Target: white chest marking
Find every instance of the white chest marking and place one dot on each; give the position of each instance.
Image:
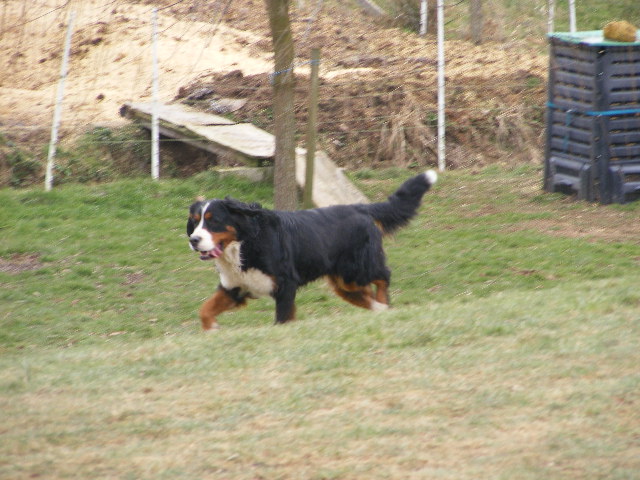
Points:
(252, 281)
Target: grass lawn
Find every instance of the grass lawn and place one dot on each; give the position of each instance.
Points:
(512, 350)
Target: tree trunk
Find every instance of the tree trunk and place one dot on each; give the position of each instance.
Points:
(286, 194)
(475, 21)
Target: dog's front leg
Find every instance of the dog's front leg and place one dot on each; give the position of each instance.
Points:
(285, 302)
(219, 302)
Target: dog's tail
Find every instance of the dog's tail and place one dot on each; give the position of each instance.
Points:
(403, 204)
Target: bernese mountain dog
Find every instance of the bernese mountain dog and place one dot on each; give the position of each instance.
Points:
(260, 252)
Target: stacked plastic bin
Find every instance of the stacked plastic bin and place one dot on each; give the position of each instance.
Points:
(593, 118)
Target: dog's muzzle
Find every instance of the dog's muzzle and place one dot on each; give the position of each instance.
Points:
(194, 240)
(194, 243)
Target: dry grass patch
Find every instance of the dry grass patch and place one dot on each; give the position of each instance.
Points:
(511, 386)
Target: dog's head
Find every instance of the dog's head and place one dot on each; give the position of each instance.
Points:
(214, 224)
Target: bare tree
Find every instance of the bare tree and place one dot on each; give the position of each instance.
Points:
(475, 21)
(285, 195)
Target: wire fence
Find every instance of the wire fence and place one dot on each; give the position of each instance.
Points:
(377, 94)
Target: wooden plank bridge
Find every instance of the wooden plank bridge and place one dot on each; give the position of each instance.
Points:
(245, 143)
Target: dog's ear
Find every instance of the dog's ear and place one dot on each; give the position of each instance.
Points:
(246, 216)
(191, 226)
(248, 209)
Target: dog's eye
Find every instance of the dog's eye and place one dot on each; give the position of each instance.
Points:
(196, 217)
(208, 215)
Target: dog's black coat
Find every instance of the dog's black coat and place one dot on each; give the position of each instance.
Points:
(341, 242)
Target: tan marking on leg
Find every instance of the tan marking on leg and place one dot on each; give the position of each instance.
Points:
(360, 296)
(382, 291)
(219, 302)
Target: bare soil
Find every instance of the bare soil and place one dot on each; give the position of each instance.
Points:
(378, 87)
(378, 92)
(18, 263)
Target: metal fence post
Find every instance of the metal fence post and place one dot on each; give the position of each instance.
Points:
(307, 200)
(48, 179)
(441, 79)
(155, 134)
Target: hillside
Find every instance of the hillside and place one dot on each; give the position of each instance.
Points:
(377, 98)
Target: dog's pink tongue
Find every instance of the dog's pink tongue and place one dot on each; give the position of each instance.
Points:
(215, 253)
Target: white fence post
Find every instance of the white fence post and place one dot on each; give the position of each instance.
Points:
(155, 133)
(551, 10)
(423, 17)
(441, 119)
(572, 16)
(48, 178)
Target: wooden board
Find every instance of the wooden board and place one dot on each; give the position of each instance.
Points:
(175, 113)
(247, 143)
(241, 137)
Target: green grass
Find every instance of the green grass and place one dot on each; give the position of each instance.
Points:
(526, 19)
(590, 14)
(511, 351)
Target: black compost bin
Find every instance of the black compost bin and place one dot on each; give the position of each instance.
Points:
(593, 118)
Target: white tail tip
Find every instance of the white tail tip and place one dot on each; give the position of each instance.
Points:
(432, 176)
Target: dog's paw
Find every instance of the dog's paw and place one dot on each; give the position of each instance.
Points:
(213, 328)
(378, 307)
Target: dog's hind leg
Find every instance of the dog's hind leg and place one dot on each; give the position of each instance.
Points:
(360, 296)
(382, 291)
(219, 302)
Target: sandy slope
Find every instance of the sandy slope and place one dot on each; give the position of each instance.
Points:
(111, 60)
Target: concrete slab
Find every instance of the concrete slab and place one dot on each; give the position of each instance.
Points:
(330, 185)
